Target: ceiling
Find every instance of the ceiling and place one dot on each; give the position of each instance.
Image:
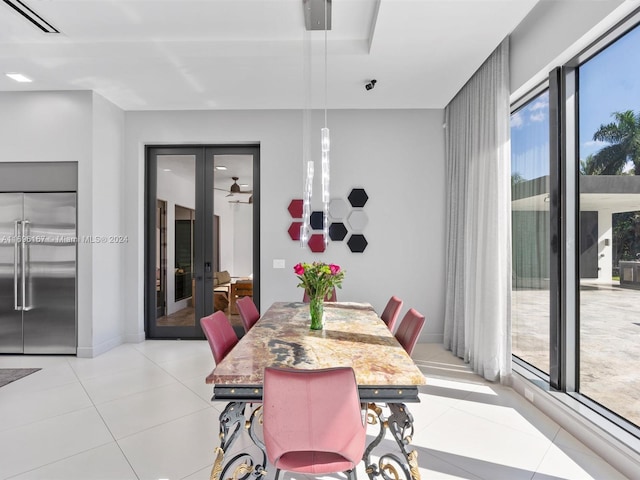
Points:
(251, 54)
(241, 166)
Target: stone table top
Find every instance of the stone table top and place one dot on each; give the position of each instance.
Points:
(353, 335)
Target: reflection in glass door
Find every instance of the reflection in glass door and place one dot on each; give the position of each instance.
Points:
(161, 259)
(175, 190)
(530, 299)
(609, 228)
(202, 235)
(232, 204)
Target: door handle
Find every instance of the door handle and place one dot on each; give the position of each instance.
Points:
(16, 306)
(25, 306)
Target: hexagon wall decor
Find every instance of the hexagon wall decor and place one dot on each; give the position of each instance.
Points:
(357, 243)
(357, 220)
(317, 220)
(338, 208)
(337, 231)
(347, 217)
(294, 230)
(358, 197)
(316, 243)
(295, 208)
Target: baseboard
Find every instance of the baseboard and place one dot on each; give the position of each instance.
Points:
(616, 446)
(95, 350)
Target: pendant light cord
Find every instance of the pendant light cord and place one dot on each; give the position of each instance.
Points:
(326, 27)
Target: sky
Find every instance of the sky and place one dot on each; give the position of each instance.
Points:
(608, 82)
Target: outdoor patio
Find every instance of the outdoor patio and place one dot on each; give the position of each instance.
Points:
(609, 342)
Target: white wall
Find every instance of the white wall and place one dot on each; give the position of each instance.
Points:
(105, 262)
(79, 127)
(397, 156)
(45, 126)
(224, 210)
(179, 191)
(553, 33)
(242, 239)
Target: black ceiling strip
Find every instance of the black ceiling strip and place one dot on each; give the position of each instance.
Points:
(32, 16)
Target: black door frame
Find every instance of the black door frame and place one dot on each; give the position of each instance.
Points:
(203, 232)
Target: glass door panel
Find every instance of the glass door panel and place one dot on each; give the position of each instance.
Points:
(609, 228)
(233, 228)
(174, 189)
(530, 304)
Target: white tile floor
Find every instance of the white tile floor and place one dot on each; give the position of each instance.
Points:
(143, 412)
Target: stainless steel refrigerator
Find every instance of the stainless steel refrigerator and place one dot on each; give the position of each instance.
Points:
(38, 247)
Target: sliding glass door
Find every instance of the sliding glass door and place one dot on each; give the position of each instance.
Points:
(576, 229)
(609, 241)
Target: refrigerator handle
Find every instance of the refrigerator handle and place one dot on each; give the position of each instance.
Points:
(16, 306)
(25, 306)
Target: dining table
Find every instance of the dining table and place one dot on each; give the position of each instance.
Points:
(353, 335)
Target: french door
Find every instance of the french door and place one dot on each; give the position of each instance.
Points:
(195, 225)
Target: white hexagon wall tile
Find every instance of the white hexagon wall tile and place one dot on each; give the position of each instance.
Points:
(338, 208)
(358, 220)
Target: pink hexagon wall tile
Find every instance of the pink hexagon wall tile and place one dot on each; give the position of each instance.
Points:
(295, 208)
(316, 243)
(294, 230)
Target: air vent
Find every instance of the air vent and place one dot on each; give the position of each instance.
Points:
(32, 16)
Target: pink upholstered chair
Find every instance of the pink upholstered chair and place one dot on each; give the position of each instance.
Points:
(409, 329)
(312, 421)
(219, 333)
(248, 312)
(391, 312)
(330, 297)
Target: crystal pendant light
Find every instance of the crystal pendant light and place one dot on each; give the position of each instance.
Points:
(308, 165)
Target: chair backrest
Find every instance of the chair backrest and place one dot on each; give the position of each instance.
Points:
(409, 329)
(219, 333)
(312, 411)
(329, 297)
(391, 312)
(248, 312)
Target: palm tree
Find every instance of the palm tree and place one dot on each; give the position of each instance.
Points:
(516, 178)
(588, 166)
(623, 135)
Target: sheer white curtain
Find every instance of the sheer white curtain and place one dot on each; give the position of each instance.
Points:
(478, 257)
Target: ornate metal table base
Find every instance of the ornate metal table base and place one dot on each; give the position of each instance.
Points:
(400, 424)
(244, 465)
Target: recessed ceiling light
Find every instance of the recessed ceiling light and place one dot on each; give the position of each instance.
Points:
(166, 169)
(18, 77)
(221, 167)
(244, 184)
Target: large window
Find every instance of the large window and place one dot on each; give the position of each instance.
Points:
(576, 228)
(609, 227)
(530, 225)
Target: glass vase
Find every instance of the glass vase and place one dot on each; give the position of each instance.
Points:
(316, 311)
